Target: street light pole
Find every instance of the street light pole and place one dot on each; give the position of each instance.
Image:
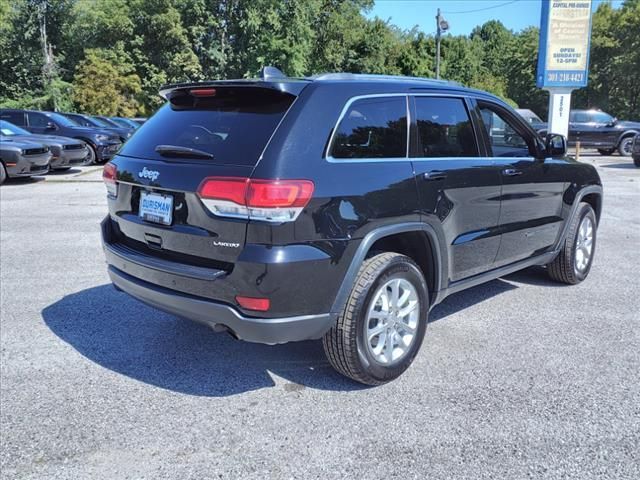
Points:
(438, 45)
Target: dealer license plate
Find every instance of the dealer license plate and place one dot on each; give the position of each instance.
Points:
(156, 208)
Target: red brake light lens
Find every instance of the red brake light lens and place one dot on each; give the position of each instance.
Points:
(203, 92)
(270, 200)
(250, 303)
(109, 175)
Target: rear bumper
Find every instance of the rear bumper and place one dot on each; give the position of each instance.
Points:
(260, 330)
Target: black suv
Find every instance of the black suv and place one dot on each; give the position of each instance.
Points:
(597, 129)
(341, 207)
(103, 143)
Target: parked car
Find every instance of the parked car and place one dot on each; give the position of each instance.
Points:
(103, 144)
(125, 122)
(66, 152)
(92, 122)
(534, 120)
(341, 207)
(21, 158)
(597, 129)
(635, 151)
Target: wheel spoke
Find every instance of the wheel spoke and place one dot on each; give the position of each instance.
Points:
(406, 328)
(395, 293)
(377, 330)
(404, 298)
(408, 309)
(388, 347)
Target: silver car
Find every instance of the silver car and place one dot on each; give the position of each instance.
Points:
(19, 158)
(66, 152)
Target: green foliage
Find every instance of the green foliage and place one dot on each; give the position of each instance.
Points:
(110, 56)
(104, 84)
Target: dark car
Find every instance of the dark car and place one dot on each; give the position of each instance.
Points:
(341, 207)
(103, 143)
(92, 122)
(597, 129)
(125, 122)
(22, 158)
(66, 152)
(635, 151)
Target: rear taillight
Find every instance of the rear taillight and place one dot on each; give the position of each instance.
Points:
(109, 173)
(268, 200)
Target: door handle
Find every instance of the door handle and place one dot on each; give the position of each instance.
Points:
(434, 175)
(511, 172)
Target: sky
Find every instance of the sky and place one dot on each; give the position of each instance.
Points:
(514, 14)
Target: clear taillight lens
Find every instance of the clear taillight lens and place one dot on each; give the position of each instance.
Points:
(109, 174)
(267, 200)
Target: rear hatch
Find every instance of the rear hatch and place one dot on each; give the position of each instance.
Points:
(205, 130)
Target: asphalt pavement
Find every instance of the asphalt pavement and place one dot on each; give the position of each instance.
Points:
(517, 378)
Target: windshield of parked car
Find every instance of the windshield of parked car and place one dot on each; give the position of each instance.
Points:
(8, 129)
(61, 119)
(106, 122)
(96, 122)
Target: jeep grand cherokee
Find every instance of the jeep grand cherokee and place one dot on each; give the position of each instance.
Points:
(341, 207)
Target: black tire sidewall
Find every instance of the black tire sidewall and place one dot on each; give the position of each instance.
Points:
(585, 210)
(400, 267)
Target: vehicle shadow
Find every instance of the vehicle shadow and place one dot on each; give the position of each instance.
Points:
(119, 333)
(629, 166)
(70, 171)
(22, 181)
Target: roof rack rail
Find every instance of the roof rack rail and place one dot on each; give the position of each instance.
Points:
(369, 76)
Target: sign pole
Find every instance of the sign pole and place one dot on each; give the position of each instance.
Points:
(559, 107)
(563, 56)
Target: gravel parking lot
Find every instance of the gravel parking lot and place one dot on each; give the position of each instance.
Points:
(517, 378)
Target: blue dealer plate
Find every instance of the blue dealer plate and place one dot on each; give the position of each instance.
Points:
(156, 208)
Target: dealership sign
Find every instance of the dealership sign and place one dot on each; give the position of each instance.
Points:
(565, 33)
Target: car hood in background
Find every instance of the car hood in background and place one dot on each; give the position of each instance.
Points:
(627, 124)
(48, 139)
(92, 131)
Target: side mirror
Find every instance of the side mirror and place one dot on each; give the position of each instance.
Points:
(556, 145)
(613, 122)
(51, 126)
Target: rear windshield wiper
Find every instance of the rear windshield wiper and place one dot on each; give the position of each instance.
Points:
(178, 151)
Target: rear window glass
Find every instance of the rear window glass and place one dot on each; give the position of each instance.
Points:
(233, 126)
(373, 128)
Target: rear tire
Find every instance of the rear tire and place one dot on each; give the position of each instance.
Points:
(373, 341)
(3, 173)
(606, 151)
(624, 148)
(573, 263)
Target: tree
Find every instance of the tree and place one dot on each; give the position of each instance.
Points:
(105, 85)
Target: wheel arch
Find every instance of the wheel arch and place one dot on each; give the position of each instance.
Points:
(591, 194)
(626, 134)
(419, 241)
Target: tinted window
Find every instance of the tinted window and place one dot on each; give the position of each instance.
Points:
(17, 118)
(7, 128)
(61, 119)
(579, 117)
(505, 140)
(234, 125)
(373, 128)
(444, 128)
(601, 117)
(37, 119)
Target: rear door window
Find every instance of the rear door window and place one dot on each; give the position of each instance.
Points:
(372, 128)
(17, 118)
(233, 126)
(444, 128)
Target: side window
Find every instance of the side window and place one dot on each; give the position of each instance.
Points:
(505, 140)
(601, 117)
(372, 128)
(444, 128)
(37, 119)
(579, 117)
(17, 118)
